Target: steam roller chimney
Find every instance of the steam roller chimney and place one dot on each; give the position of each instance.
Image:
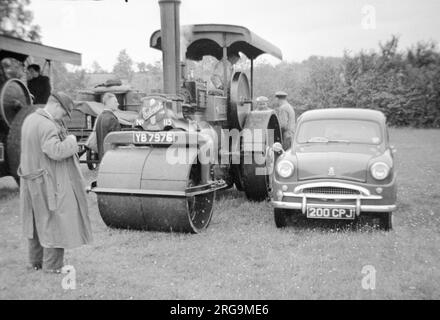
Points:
(170, 30)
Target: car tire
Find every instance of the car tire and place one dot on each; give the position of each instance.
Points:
(280, 216)
(386, 221)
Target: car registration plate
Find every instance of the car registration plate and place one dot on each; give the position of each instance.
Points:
(2, 152)
(154, 137)
(330, 213)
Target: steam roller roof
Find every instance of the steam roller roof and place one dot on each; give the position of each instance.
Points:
(19, 49)
(210, 39)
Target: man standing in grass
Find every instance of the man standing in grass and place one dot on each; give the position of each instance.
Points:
(52, 195)
(286, 117)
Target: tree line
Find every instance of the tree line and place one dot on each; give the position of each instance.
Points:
(404, 84)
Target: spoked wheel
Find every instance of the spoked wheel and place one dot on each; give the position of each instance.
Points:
(194, 180)
(200, 207)
(240, 100)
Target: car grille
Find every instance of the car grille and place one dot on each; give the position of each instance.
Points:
(330, 190)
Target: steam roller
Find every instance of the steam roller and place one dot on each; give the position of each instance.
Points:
(159, 185)
(192, 140)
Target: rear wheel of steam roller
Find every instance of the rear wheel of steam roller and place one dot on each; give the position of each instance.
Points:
(256, 174)
(236, 170)
(14, 140)
(255, 180)
(237, 176)
(240, 101)
(257, 163)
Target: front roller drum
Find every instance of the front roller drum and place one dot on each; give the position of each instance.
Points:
(156, 213)
(139, 189)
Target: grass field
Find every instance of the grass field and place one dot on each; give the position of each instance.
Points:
(243, 255)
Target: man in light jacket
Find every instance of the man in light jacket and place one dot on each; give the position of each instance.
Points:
(286, 117)
(53, 201)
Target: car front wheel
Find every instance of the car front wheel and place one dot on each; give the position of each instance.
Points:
(280, 216)
(386, 221)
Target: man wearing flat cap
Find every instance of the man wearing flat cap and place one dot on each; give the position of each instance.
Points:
(286, 117)
(53, 202)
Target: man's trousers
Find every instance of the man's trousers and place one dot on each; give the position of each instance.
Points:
(50, 259)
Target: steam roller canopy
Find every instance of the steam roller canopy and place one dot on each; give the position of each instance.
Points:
(141, 190)
(240, 100)
(13, 96)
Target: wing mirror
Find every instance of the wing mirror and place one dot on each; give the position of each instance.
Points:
(278, 148)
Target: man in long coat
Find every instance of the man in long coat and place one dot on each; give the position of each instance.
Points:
(286, 117)
(52, 195)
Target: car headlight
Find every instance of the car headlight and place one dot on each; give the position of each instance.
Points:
(285, 168)
(380, 170)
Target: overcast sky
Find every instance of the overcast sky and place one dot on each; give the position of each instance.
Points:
(300, 28)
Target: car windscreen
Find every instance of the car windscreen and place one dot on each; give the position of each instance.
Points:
(339, 130)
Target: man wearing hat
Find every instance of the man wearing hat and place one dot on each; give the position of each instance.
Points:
(286, 117)
(38, 85)
(53, 202)
(262, 103)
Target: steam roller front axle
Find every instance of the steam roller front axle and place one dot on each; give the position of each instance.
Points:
(139, 188)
